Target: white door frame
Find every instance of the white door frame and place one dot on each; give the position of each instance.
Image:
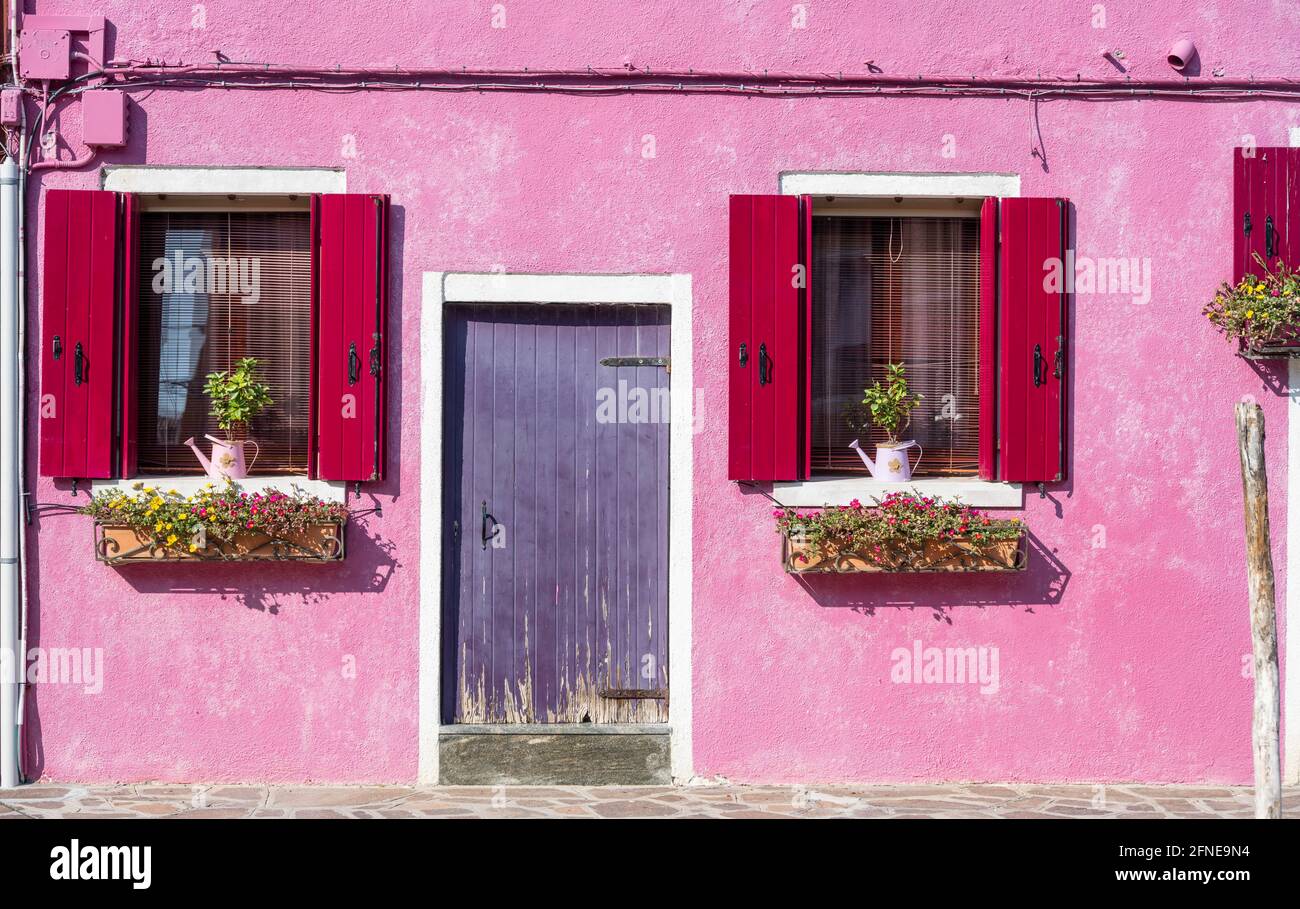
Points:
(443, 288)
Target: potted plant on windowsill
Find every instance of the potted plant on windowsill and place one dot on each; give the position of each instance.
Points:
(889, 408)
(1261, 313)
(902, 532)
(215, 524)
(237, 396)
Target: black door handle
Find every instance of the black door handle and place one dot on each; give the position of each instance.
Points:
(1270, 237)
(354, 364)
(78, 364)
(1038, 365)
(489, 529)
(57, 347)
(762, 364)
(1060, 363)
(744, 354)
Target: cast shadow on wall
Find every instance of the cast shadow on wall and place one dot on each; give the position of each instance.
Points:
(1042, 583)
(1274, 373)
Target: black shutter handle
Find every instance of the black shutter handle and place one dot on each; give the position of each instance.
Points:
(354, 364)
(1245, 225)
(57, 347)
(762, 364)
(1059, 370)
(1038, 365)
(744, 354)
(1270, 237)
(374, 360)
(78, 364)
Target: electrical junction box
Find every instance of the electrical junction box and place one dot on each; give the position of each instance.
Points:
(11, 111)
(45, 53)
(104, 114)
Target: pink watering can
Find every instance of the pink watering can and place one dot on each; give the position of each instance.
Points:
(891, 462)
(227, 458)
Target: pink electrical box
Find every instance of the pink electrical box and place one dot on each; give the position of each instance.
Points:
(11, 111)
(45, 53)
(105, 116)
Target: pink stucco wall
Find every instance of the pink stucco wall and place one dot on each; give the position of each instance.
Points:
(1122, 662)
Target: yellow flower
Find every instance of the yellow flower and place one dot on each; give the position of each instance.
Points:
(1250, 313)
(158, 527)
(193, 547)
(172, 539)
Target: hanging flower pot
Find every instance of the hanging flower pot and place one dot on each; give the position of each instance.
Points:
(1261, 313)
(215, 525)
(902, 533)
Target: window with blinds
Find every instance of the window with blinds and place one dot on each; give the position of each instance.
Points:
(888, 290)
(215, 287)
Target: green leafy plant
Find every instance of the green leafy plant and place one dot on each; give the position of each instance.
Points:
(1259, 309)
(174, 520)
(899, 518)
(890, 406)
(237, 396)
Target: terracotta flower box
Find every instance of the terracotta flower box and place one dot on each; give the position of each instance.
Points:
(117, 544)
(956, 554)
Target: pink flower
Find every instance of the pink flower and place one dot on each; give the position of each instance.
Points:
(855, 504)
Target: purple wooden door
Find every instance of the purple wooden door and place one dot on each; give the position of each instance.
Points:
(555, 606)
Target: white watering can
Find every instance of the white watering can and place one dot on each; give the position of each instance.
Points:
(891, 462)
(227, 458)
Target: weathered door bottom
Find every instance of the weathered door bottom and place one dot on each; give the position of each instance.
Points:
(554, 755)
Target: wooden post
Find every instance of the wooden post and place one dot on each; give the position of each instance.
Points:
(1263, 614)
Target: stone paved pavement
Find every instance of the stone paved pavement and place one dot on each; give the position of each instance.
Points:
(706, 800)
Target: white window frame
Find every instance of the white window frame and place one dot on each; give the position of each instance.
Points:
(441, 289)
(874, 188)
(224, 181)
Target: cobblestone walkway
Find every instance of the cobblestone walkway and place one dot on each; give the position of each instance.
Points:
(712, 801)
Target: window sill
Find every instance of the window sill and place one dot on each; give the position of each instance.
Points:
(843, 490)
(329, 490)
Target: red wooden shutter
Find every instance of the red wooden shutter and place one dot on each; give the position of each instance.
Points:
(351, 276)
(805, 344)
(79, 356)
(988, 339)
(769, 327)
(1032, 320)
(313, 370)
(1266, 209)
(129, 368)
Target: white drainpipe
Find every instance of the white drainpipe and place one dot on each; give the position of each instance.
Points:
(10, 494)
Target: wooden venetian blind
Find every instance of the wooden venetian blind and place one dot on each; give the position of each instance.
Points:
(888, 290)
(240, 286)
